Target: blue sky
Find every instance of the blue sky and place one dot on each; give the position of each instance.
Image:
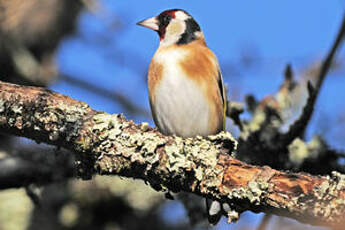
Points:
(273, 32)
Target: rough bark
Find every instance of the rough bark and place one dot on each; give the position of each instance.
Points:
(109, 144)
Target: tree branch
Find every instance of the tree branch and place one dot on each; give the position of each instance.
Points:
(298, 128)
(35, 168)
(111, 145)
(124, 102)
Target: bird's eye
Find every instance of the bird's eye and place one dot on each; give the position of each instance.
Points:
(166, 19)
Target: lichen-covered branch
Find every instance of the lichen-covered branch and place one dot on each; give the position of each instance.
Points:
(109, 144)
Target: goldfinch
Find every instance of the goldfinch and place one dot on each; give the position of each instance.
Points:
(186, 90)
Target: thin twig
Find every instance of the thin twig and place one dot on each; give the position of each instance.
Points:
(328, 61)
(234, 109)
(297, 129)
(127, 105)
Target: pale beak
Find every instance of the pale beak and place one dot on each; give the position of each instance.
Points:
(151, 23)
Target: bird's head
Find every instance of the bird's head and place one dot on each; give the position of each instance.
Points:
(174, 27)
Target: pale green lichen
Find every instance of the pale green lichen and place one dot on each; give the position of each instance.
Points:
(199, 174)
(340, 202)
(71, 118)
(252, 192)
(245, 193)
(108, 126)
(298, 151)
(203, 155)
(83, 143)
(255, 188)
(233, 216)
(17, 109)
(258, 119)
(147, 143)
(53, 136)
(69, 214)
(15, 209)
(340, 179)
(322, 190)
(79, 108)
(316, 146)
(11, 121)
(2, 106)
(102, 121)
(177, 159)
(330, 204)
(144, 126)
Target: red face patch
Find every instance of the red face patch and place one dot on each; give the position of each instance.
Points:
(164, 19)
(169, 12)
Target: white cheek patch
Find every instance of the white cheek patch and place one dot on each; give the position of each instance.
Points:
(175, 28)
(173, 32)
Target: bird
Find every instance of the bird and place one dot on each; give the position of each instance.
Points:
(185, 84)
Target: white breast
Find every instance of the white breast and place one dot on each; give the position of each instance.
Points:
(180, 106)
